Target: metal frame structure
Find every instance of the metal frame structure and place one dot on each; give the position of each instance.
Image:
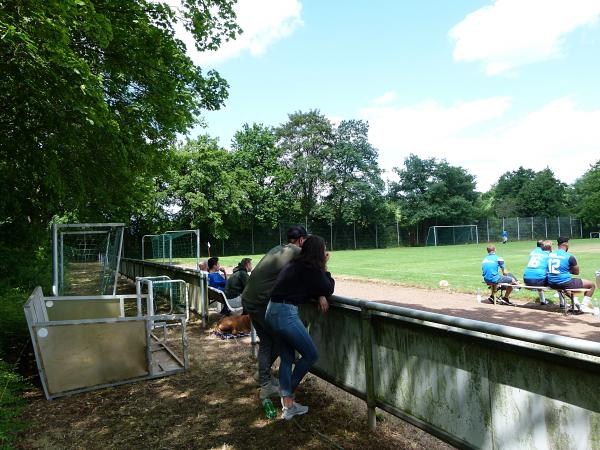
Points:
(159, 359)
(196, 232)
(435, 227)
(592, 233)
(58, 274)
(149, 282)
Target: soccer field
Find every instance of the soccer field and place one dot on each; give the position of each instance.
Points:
(460, 265)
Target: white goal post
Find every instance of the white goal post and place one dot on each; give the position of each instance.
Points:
(452, 234)
(595, 234)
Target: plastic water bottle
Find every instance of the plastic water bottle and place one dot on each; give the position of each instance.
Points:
(596, 309)
(478, 295)
(270, 410)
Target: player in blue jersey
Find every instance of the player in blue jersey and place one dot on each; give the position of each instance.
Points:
(561, 267)
(536, 272)
(504, 236)
(492, 267)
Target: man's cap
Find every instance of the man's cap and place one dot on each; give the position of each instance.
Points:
(296, 231)
(562, 240)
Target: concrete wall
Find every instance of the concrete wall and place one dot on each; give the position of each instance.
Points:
(472, 389)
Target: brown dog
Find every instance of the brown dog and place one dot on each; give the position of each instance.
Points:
(234, 324)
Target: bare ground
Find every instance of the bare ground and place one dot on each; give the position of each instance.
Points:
(215, 405)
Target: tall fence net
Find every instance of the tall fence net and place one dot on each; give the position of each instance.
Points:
(258, 239)
(87, 258)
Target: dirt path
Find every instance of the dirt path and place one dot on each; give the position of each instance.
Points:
(530, 315)
(214, 405)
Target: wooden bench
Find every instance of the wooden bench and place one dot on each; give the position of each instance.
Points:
(562, 293)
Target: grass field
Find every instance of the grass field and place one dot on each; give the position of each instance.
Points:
(460, 265)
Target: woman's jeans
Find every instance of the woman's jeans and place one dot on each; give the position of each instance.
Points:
(292, 336)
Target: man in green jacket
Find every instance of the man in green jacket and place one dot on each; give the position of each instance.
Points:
(255, 299)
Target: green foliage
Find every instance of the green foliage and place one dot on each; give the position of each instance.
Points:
(525, 192)
(203, 187)
(11, 404)
(305, 141)
(21, 269)
(587, 197)
(353, 176)
(433, 192)
(92, 94)
(261, 175)
(544, 195)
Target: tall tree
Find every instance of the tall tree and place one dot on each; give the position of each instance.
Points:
(203, 191)
(93, 92)
(261, 175)
(544, 195)
(433, 192)
(352, 173)
(506, 191)
(306, 140)
(587, 197)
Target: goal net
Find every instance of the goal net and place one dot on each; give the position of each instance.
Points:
(172, 247)
(452, 235)
(595, 234)
(86, 258)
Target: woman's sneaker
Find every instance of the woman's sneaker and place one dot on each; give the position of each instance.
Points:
(295, 410)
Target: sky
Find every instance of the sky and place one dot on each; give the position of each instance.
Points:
(486, 85)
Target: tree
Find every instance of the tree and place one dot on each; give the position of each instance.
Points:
(352, 173)
(203, 191)
(587, 197)
(261, 175)
(506, 191)
(93, 93)
(544, 195)
(305, 141)
(433, 192)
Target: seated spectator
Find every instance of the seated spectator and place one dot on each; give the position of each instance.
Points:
(536, 272)
(561, 267)
(491, 265)
(238, 279)
(203, 266)
(217, 277)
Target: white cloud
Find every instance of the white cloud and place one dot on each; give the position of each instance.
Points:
(264, 22)
(482, 137)
(386, 98)
(512, 33)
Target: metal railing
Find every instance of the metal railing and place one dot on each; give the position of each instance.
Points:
(473, 384)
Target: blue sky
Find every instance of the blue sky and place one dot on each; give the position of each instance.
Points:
(488, 85)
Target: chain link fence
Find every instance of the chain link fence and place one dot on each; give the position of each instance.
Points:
(258, 239)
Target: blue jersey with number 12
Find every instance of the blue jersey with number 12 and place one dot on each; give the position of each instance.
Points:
(559, 266)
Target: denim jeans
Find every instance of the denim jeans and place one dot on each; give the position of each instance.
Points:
(292, 336)
(267, 347)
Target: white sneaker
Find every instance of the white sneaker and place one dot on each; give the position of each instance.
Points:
(268, 390)
(295, 410)
(585, 309)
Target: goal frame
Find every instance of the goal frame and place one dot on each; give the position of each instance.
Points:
(596, 233)
(170, 250)
(435, 228)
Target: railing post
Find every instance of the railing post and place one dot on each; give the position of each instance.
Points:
(367, 339)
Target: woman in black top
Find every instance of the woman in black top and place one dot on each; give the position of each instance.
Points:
(300, 281)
